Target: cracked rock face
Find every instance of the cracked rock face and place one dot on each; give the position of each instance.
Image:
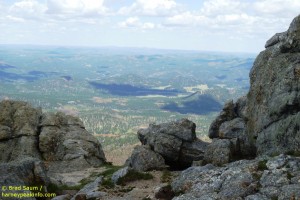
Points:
(267, 120)
(18, 131)
(64, 140)
(273, 109)
(29, 137)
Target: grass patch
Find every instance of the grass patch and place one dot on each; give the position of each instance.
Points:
(262, 165)
(257, 175)
(53, 188)
(110, 169)
(107, 183)
(125, 190)
(274, 154)
(107, 174)
(133, 175)
(289, 175)
(166, 176)
(293, 153)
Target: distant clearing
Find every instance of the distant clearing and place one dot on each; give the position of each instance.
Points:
(195, 88)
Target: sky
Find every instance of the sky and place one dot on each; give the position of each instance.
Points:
(206, 25)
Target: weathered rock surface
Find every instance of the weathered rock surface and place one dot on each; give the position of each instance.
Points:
(267, 120)
(176, 142)
(30, 140)
(273, 109)
(63, 138)
(18, 131)
(24, 172)
(144, 159)
(221, 151)
(229, 127)
(262, 178)
(27, 132)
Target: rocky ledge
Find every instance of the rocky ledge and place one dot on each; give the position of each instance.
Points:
(259, 179)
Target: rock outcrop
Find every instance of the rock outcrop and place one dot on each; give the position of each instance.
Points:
(273, 108)
(265, 123)
(267, 120)
(34, 144)
(263, 178)
(175, 143)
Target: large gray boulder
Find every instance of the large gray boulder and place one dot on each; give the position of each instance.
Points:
(64, 141)
(35, 145)
(144, 159)
(56, 138)
(230, 124)
(221, 151)
(273, 108)
(175, 141)
(183, 129)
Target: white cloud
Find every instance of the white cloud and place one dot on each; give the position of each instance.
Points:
(135, 22)
(186, 19)
(26, 9)
(148, 25)
(151, 8)
(245, 18)
(82, 8)
(278, 8)
(131, 22)
(79, 11)
(14, 19)
(197, 19)
(221, 7)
